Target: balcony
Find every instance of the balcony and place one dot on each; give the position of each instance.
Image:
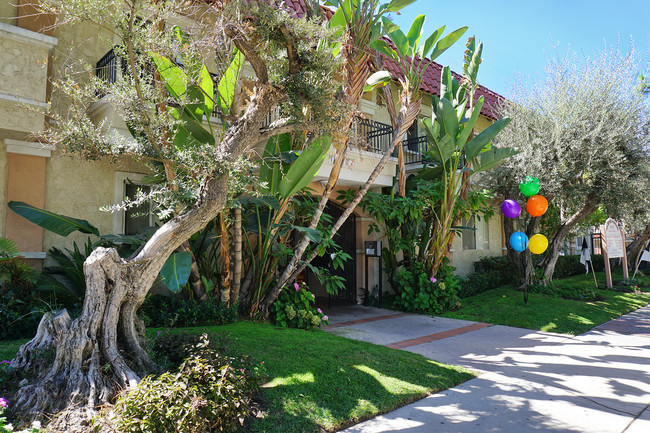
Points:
(373, 136)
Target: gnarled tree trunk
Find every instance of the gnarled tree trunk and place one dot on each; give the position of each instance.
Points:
(101, 352)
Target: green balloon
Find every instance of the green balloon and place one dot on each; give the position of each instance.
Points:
(529, 186)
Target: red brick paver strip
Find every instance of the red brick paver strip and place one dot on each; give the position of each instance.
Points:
(634, 323)
(369, 319)
(438, 336)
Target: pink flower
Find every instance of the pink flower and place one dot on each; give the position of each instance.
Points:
(319, 311)
(433, 279)
(296, 286)
(325, 317)
(3, 402)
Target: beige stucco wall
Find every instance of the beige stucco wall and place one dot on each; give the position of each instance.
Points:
(8, 12)
(463, 259)
(23, 68)
(79, 189)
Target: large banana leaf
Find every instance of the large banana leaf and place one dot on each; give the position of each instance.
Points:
(271, 166)
(447, 42)
(175, 78)
(176, 271)
(478, 143)
(303, 170)
(492, 158)
(60, 224)
(228, 83)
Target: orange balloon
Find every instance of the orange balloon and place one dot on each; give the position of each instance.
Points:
(537, 205)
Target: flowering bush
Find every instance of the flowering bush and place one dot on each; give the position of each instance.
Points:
(5, 428)
(295, 308)
(420, 293)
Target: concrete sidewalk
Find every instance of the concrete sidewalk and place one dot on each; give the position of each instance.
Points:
(529, 381)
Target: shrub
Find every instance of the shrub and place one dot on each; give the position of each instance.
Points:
(500, 265)
(170, 350)
(579, 293)
(295, 308)
(421, 294)
(209, 393)
(628, 286)
(20, 309)
(568, 266)
(160, 311)
(477, 283)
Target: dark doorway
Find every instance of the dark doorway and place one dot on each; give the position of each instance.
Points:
(346, 238)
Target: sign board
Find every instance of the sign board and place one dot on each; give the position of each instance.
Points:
(613, 242)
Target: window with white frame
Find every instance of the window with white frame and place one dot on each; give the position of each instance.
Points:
(476, 236)
(137, 218)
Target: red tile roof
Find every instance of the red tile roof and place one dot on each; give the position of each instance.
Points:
(431, 79)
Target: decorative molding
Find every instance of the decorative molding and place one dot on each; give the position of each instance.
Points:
(23, 35)
(21, 100)
(28, 148)
(34, 255)
(368, 107)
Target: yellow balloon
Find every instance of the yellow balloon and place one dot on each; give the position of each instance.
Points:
(537, 244)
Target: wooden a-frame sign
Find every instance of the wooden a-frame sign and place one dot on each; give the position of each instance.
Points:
(613, 243)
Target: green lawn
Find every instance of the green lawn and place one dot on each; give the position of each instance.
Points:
(320, 382)
(505, 306)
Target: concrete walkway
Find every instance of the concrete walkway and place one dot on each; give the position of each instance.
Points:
(529, 381)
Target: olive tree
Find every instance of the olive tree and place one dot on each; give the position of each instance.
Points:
(166, 97)
(583, 131)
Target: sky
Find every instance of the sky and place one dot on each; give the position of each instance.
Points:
(519, 36)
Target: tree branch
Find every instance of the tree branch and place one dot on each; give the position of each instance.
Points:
(292, 55)
(282, 126)
(242, 44)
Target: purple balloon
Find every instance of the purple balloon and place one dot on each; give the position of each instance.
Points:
(511, 208)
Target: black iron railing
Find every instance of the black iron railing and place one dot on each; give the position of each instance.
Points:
(107, 67)
(415, 150)
(371, 135)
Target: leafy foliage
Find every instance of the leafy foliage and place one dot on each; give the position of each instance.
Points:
(174, 311)
(420, 293)
(209, 393)
(295, 308)
(20, 307)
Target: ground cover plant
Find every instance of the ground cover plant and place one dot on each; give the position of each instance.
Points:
(546, 312)
(310, 386)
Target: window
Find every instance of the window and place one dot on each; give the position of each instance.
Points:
(476, 239)
(133, 220)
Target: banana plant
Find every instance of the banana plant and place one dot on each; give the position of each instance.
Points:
(174, 273)
(450, 133)
(283, 174)
(414, 56)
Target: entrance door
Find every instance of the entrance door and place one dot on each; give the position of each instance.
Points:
(346, 238)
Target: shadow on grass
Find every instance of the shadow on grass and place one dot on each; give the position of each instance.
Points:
(319, 381)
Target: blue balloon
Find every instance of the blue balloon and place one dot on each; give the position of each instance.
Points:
(519, 241)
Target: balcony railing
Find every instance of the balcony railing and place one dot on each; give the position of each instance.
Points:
(371, 135)
(415, 150)
(366, 134)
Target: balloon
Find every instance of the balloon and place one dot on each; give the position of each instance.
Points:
(537, 244)
(518, 241)
(537, 205)
(510, 208)
(529, 186)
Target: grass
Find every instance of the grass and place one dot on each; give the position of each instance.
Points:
(8, 349)
(317, 381)
(505, 306)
